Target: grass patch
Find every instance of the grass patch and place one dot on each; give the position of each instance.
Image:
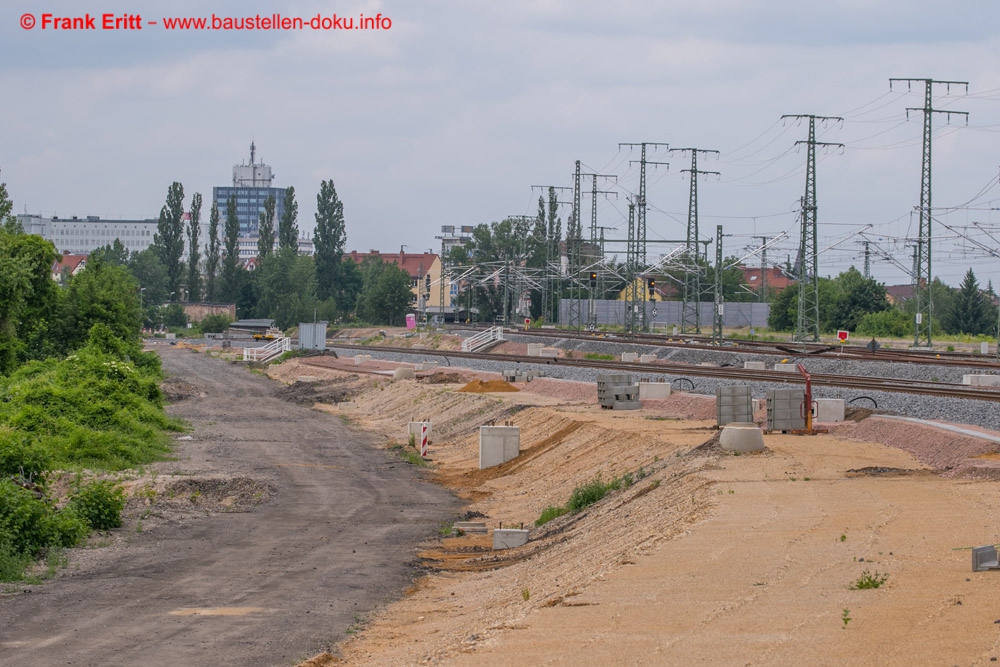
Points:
(867, 580)
(549, 513)
(597, 356)
(410, 456)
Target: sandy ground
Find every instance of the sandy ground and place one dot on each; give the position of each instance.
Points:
(706, 558)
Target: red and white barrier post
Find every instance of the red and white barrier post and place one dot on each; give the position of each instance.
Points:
(423, 439)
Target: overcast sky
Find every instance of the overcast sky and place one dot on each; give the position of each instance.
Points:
(450, 116)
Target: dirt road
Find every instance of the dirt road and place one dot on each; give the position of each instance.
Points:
(266, 587)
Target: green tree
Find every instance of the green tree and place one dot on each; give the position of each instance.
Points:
(386, 294)
(265, 229)
(101, 294)
(734, 287)
(856, 297)
(7, 221)
(169, 237)
(970, 312)
(194, 252)
(288, 228)
(285, 287)
(329, 238)
(231, 272)
(28, 296)
(151, 275)
(213, 256)
(113, 253)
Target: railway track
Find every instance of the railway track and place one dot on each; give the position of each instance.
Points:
(771, 348)
(895, 385)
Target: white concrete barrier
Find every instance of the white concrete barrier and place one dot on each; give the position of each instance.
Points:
(509, 538)
(498, 444)
(654, 390)
(787, 368)
(630, 356)
(755, 365)
(829, 409)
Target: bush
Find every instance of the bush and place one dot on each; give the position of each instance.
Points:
(886, 324)
(550, 513)
(174, 316)
(216, 323)
(18, 458)
(29, 524)
(590, 493)
(99, 504)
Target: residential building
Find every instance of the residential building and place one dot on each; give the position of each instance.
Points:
(68, 265)
(424, 269)
(252, 185)
(774, 278)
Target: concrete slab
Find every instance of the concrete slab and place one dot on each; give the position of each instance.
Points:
(403, 373)
(654, 390)
(754, 365)
(509, 538)
(413, 428)
(787, 368)
(829, 409)
(647, 358)
(630, 356)
(742, 437)
(549, 352)
(361, 358)
(535, 349)
(498, 444)
(981, 380)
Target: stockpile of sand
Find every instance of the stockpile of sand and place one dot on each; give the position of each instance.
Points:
(480, 387)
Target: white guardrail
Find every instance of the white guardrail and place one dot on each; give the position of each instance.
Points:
(482, 339)
(267, 352)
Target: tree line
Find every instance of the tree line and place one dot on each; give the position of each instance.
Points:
(282, 285)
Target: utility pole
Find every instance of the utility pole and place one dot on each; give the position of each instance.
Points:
(717, 316)
(596, 287)
(691, 305)
(807, 322)
(762, 294)
(868, 259)
(923, 276)
(631, 275)
(641, 204)
(574, 237)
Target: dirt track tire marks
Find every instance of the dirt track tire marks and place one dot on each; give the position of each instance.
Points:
(261, 588)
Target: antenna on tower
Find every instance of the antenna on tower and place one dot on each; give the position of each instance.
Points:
(253, 152)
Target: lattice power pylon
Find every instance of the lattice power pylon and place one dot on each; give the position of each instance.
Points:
(807, 321)
(922, 270)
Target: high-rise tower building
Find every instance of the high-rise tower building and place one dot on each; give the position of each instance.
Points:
(251, 186)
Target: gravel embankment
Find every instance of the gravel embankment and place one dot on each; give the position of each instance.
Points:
(979, 413)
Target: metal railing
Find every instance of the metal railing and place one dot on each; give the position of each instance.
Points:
(267, 352)
(482, 339)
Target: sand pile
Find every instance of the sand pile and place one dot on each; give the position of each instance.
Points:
(480, 387)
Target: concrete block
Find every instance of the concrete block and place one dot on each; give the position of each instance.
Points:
(307, 378)
(787, 368)
(403, 373)
(627, 405)
(425, 366)
(346, 405)
(171, 336)
(418, 346)
(654, 390)
(647, 358)
(981, 380)
(741, 437)
(733, 404)
(984, 348)
(754, 365)
(630, 356)
(535, 349)
(498, 444)
(549, 352)
(361, 358)
(413, 428)
(508, 538)
(829, 409)
(709, 364)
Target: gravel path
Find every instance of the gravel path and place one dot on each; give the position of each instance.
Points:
(265, 587)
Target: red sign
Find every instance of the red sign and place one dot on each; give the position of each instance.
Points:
(842, 336)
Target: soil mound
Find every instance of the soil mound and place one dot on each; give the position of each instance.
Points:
(443, 378)
(480, 387)
(308, 393)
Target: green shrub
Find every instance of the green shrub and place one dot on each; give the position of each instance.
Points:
(216, 323)
(23, 519)
(12, 562)
(99, 504)
(591, 492)
(597, 356)
(550, 513)
(867, 580)
(886, 324)
(20, 458)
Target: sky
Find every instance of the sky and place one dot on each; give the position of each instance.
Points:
(455, 109)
